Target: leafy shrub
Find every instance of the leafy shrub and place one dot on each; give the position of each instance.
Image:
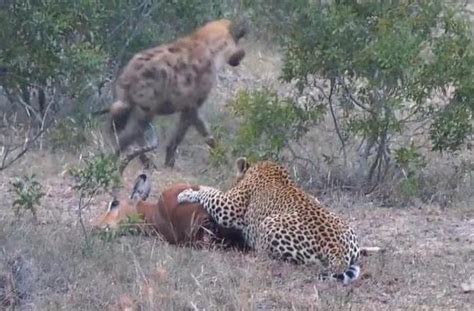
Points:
(100, 173)
(384, 62)
(411, 162)
(269, 123)
(452, 127)
(28, 193)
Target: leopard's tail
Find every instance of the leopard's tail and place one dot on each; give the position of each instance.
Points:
(348, 276)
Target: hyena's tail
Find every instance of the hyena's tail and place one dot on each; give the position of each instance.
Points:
(118, 114)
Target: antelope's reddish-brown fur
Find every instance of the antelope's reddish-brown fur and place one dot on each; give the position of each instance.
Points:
(187, 224)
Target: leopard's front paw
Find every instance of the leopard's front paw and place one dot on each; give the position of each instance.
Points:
(188, 196)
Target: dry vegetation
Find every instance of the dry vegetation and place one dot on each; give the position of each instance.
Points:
(428, 247)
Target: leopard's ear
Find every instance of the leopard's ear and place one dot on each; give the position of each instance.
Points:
(242, 165)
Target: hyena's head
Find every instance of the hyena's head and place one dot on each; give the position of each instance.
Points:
(222, 37)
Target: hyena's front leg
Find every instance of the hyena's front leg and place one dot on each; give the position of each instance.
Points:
(177, 138)
(201, 127)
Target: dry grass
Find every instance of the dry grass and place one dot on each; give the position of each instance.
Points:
(428, 247)
(428, 254)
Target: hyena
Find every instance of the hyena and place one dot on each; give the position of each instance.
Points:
(172, 78)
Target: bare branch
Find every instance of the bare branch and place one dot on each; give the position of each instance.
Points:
(18, 100)
(26, 146)
(51, 101)
(334, 119)
(352, 98)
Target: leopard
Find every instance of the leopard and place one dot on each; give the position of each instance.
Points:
(175, 77)
(279, 219)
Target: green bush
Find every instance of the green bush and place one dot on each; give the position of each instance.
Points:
(384, 62)
(28, 192)
(269, 123)
(410, 161)
(100, 173)
(452, 127)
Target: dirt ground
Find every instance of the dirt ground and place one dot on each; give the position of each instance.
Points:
(428, 252)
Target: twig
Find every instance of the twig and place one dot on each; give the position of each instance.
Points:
(336, 125)
(297, 157)
(81, 221)
(18, 100)
(26, 147)
(44, 117)
(354, 100)
(83, 206)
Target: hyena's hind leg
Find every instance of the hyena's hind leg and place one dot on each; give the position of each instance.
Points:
(178, 135)
(187, 118)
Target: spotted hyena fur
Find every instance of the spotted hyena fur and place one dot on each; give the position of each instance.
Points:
(173, 78)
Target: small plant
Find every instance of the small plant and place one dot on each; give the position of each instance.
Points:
(129, 227)
(410, 161)
(100, 173)
(28, 193)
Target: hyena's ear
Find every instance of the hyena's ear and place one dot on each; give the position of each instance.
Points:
(242, 165)
(239, 28)
(141, 189)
